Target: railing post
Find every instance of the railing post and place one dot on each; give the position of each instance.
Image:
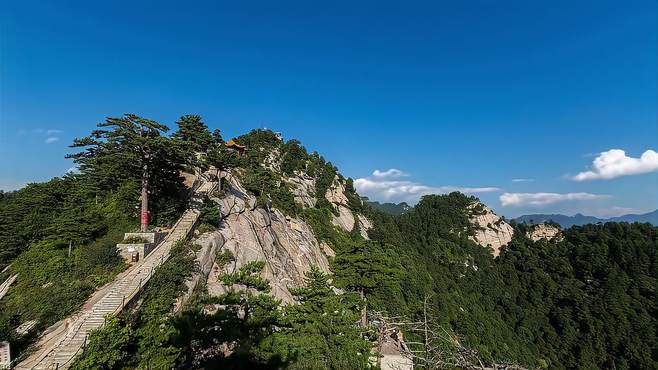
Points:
(123, 301)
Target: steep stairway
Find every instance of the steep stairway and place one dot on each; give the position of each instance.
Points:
(65, 343)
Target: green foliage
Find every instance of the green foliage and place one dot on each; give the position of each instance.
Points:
(134, 240)
(144, 338)
(248, 275)
(320, 331)
(62, 210)
(585, 302)
(365, 266)
(589, 301)
(107, 347)
(210, 213)
(51, 284)
(194, 135)
(224, 258)
(124, 149)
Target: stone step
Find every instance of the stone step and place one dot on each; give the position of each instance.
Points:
(121, 291)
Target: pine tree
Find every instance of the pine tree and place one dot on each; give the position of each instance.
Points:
(363, 268)
(194, 133)
(127, 148)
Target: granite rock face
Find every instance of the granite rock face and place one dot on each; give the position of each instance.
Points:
(345, 219)
(302, 187)
(490, 230)
(544, 231)
(287, 245)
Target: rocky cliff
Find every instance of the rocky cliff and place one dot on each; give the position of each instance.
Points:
(286, 244)
(544, 231)
(490, 230)
(346, 219)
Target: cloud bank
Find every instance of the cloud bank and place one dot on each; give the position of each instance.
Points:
(386, 186)
(542, 199)
(615, 163)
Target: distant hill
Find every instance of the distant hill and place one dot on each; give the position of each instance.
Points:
(579, 219)
(391, 208)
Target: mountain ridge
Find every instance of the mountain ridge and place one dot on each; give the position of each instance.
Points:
(579, 219)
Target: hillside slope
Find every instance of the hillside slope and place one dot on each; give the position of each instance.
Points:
(296, 271)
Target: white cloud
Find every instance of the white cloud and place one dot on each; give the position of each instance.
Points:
(51, 140)
(615, 163)
(390, 173)
(542, 199)
(523, 180)
(381, 187)
(53, 131)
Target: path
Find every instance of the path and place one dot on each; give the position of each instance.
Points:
(62, 345)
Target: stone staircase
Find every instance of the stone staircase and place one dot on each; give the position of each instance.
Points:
(60, 352)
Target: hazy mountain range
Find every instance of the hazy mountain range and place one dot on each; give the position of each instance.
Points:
(580, 219)
(564, 220)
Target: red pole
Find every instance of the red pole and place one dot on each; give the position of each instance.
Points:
(145, 201)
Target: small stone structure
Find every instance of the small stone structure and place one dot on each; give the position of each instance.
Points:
(141, 250)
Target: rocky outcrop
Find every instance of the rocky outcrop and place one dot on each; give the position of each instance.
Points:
(336, 196)
(544, 231)
(490, 230)
(364, 225)
(287, 245)
(4, 287)
(210, 244)
(345, 218)
(302, 187)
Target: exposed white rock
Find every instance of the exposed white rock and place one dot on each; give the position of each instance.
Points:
(336, 195)
(327, 250)
(287, 245)
(205, 259)
(273, 160)
(544, 231)
(491, 231)
(302, 187)
(345, 218)
(364, 226)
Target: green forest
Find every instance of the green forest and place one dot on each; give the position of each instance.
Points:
(585, 301)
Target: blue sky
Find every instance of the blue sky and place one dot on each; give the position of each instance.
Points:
(455, 95)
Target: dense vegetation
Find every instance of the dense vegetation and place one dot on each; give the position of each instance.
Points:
(585, 301)
(60, 236)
